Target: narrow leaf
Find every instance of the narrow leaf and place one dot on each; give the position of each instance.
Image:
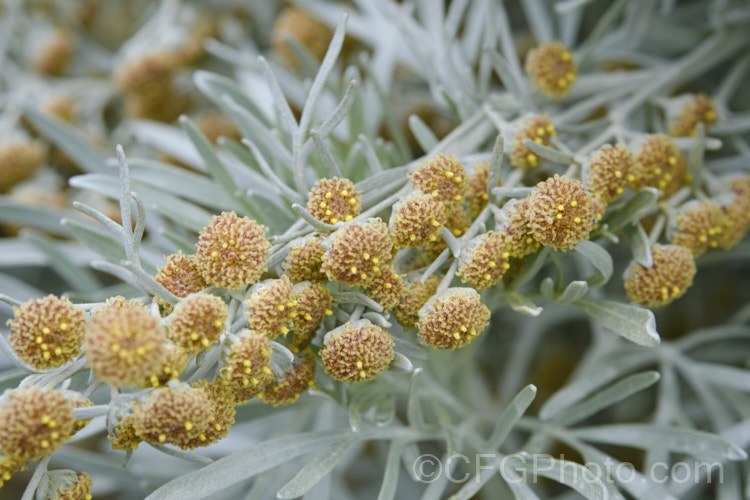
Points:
(565, 472)
(639, 244)
(574, 291)
(67, 138)
(663, 437)
(635, 323)
(522, 304)
(97, 240)
(608, 397)
(424, 136)
(243, 465)
(392, 464)
(315, 470)
(548, 153)
(599, 258)
(510, 416)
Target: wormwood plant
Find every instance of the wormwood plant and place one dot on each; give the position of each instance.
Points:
(543, 298)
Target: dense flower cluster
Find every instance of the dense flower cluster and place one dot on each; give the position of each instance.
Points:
(231, 251)
(334, 200)
(452, 318)
(47, 332)
(357, 352)
(667, 279)
(417, 220)
(247, 372)
(552, 69)
(444, 178)
(699, 109)
(304, 260)
(288, 389)
(609, 170)
(197, 322)
(271, 307)
(125, 346)
(659, 164)
(357, 252)
(537, 128)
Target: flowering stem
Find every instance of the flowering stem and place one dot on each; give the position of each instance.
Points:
(445, 283)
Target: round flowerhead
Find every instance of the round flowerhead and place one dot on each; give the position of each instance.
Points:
(609, 170)
(124, 437)
(54, 55)
(221, 406)
(18, 161)
(48, 332)
(538, 129)
(696, 110)
(478, 197)
(231, 251)
(699, 228)
(561, 212)
(551, 69)
(173, 415)
(452, 318)
(357, 352)
(80, 403)
(667, 279)
(246, 371)
(271, 307)
(35, 422)
(304, 260)
(180, 275)
(300, 26)
(737, 214)
(197, 322)
(175, 361)
(417, 220)
(414, 296)
(484, 261)
(313, 305)
(334, 200)
(443, 178)
(519, 235)
(386, 288)
(659, 164)
(287, 389)
(357, 252)
(124, 346)
(148, 76)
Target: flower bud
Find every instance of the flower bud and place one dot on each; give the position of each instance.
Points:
(124, 437)
(334, 200)
(698, 109)
(313, 305)
(417, 220)
(175, 362)
(173, 415)
(609, 170)
(561, 212)
(478, 197)
(47, 332)
(538, 129)
(35, 422)
(287, 390)
(667, 279)
(357, 252)
(737, 214)
(181, 276)
(221, 406)
(699, 228)
(519, 236)
(452, 318)
(197, 322)
(443, 178)
(659, 164)
(386, 288)
(357, 352)
(124, 346)
(484, 261)
(247, 370)
(271, 307)
(19, 159)
(414, 296)
(231, 251)
(551, 69)
(304, 260)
